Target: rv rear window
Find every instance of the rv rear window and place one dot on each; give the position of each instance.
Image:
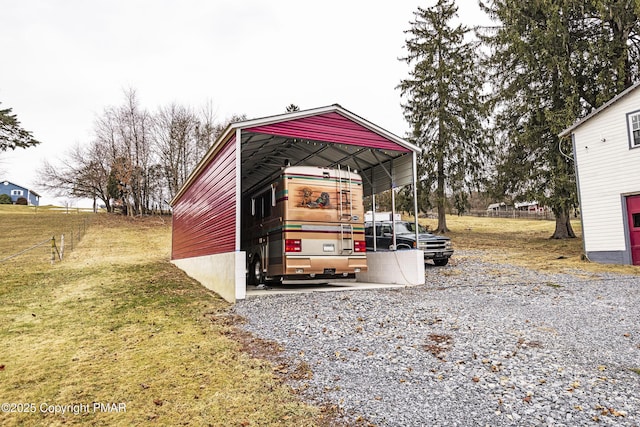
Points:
(266, 203)
(261, 205)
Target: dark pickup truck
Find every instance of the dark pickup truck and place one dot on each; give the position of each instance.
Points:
(436, 248)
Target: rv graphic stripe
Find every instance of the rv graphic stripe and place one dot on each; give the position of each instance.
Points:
(322, 178)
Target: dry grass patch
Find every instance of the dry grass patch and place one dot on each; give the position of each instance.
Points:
(24, 227)
(117, 323)
(524, 242)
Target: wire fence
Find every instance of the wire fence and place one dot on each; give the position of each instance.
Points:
(514, 213)
(72, 235)
(24, 251)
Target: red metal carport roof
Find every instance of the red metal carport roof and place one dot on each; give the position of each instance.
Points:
(328, 136)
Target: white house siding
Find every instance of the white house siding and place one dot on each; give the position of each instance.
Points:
(607, 170)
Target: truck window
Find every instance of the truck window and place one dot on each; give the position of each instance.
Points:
(402, 228)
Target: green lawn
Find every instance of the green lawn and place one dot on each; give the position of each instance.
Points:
(116, 323)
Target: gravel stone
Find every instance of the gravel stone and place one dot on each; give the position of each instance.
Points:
(481, 343)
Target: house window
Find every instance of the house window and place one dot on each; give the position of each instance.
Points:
(634, 129)
(16, 192)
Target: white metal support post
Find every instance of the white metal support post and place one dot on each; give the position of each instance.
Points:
(415, 192)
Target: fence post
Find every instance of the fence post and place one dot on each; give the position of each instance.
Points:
(61, 246)
(53, 250)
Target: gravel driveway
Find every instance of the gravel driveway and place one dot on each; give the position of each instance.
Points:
(480, 344)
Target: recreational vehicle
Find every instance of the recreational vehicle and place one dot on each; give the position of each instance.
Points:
(307, 223)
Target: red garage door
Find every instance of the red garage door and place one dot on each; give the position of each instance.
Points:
(633, 213)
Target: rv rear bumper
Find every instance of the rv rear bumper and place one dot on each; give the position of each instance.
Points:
(324, 265)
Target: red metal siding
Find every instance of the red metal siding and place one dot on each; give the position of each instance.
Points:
(330, 127)
(204, 218)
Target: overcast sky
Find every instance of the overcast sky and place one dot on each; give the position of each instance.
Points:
(65, 61)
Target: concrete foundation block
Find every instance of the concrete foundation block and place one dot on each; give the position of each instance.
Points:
(224, 273)
(404, 267)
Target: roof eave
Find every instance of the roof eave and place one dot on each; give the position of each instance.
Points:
(248, 124)
(597, 111)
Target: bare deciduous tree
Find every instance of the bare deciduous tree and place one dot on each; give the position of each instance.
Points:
(84, 173)
(137, 161)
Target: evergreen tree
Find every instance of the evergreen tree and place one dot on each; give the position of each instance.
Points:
(12, 135)
(613, 27)
(552, 61)
(443, 104)
(535, 100)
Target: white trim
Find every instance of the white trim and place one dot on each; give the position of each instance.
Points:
(238, 185)
(597, 111)
(219, 143)
(414, 166)
(335, 108)
(630, 129)
(234, 127)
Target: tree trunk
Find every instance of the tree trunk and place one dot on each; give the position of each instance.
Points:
(563, 226)
(442, 200)
(442, 220)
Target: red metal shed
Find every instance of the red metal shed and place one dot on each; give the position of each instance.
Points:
(206, 210)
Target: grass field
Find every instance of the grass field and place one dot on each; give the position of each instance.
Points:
(116, 324)
(23, 227)
(523, 242)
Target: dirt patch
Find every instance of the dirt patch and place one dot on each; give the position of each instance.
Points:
(284, 369)
(439, 345)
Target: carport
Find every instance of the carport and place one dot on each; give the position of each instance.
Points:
(206, 210)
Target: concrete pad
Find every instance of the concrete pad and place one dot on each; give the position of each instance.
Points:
(307, 286)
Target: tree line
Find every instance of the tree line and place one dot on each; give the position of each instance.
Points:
(137, 160)
(486, 104)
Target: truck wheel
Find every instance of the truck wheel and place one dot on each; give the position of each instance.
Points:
(255, 273)
(441, 262)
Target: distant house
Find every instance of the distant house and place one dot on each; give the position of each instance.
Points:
(606, 149)
(494, 207)
(531, 207)
(19, 194)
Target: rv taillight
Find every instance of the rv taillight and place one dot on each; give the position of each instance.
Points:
(360, 246)
(293, 245)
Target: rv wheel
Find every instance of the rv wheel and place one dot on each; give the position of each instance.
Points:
(255, 274)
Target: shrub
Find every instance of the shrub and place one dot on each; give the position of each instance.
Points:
(5, 199)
